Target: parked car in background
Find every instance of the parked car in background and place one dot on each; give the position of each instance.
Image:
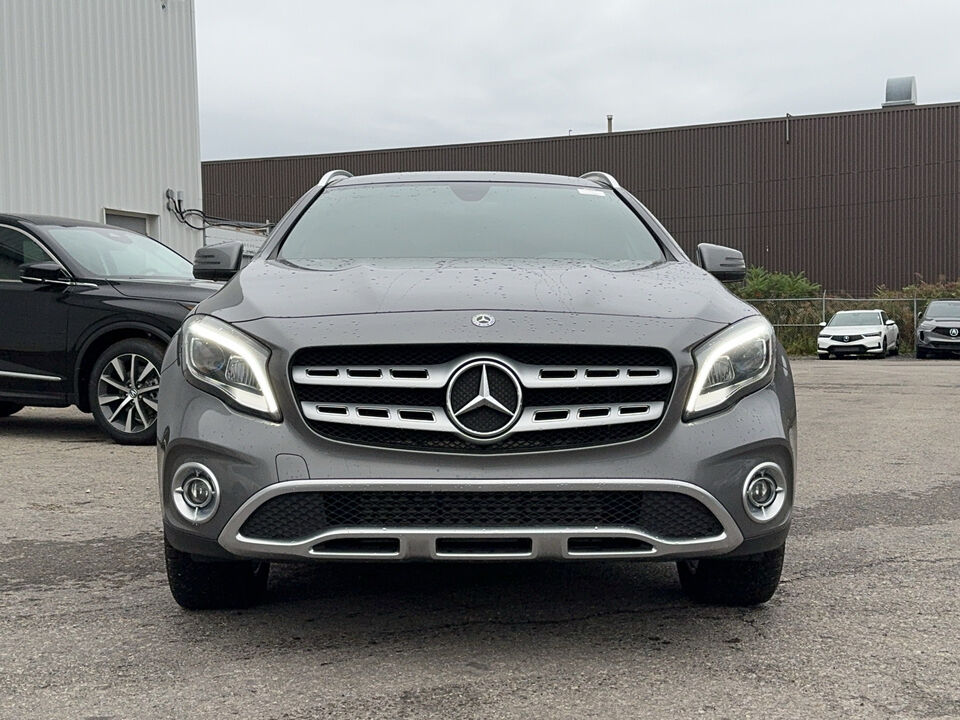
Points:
(858, 332)
(475, 366)
(86, 312)
(938, 329)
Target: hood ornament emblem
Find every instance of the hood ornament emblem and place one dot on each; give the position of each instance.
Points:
(483, 320)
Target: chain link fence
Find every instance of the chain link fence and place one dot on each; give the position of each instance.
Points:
(797, 320)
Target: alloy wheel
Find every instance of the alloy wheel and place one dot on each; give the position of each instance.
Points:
(127, 392)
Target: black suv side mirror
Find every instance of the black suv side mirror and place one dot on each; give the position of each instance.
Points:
(43, 272)
(218, 262)
(725, 264)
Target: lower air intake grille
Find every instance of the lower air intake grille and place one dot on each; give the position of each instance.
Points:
(297, 515)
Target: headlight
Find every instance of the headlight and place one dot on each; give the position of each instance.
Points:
(731, 364)
(876, 334)
(232, 365)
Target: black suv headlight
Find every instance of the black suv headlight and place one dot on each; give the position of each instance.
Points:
(224, 361)
(733, 363)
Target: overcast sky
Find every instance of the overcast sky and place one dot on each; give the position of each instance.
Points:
(282, 77)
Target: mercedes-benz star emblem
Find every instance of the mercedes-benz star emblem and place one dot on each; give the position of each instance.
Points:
(483, 320)
(954, 332)
(484, 399)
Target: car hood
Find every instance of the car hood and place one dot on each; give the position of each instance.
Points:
(667, 290)
(851, 329)
(188, 291)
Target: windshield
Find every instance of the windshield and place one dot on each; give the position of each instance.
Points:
(112, 252)
(855, 319)
(943, 310)
(470, 220)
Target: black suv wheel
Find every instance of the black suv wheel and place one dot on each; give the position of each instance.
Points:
(209, 585)
(746, 580)
(123, 391)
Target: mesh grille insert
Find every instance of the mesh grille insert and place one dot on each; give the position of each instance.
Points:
(298, 515)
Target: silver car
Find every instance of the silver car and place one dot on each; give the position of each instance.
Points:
(938, 329)
(474, 367)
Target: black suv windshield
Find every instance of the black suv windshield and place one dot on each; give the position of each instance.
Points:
(943, 310)
(854, 319)
(470, 220)
(111, 252)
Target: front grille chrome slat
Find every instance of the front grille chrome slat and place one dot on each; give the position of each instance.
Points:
(482, 398)
(437, 376)
(531, 419)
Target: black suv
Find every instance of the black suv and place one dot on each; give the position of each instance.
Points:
(86, 312)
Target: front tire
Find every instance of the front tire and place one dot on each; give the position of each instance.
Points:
(823, 356)
(738, 581)
(7, 409)
(123, 389)
(895, 350)
(212, 585)
(922, 354)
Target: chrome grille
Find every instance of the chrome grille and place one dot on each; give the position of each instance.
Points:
(573, 396)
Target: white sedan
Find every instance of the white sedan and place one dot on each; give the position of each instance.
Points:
(858, 332)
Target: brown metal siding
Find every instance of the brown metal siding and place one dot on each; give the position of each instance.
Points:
(855, 199)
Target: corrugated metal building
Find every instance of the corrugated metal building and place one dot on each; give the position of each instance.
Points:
(853, 199)
(99, 112)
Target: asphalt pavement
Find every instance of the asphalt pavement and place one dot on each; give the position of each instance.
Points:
(866, 623)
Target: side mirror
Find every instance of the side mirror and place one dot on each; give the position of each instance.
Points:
(919, 315)
(43, 272)
(823, 324)
(725, 264)
(218, 262)
(890, 322)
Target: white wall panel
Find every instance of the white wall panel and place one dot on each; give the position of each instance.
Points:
(98, 109)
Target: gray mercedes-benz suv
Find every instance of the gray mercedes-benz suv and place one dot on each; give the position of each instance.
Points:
(474, 366)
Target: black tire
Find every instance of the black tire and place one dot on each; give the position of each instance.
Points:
(884, 350)
(823, 356)
(739, 581)
(123, 418)
(212, 585)
(7, 409)
(895, 350)
(922, 354)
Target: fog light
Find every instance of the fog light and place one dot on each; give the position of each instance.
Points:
(195, 492)
(761, 491)
(765, 492)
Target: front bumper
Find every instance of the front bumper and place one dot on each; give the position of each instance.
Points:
(935, 342)
(255, 460)
(484, 543)
(865, 346)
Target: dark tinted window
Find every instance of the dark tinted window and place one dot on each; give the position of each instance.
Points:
(470, 220)
(16, 249)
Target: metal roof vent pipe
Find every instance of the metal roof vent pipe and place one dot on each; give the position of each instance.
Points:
(901, 91)
(609, 123)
